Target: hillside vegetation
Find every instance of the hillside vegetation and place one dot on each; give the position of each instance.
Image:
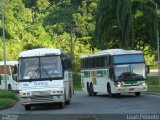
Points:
(94, 24)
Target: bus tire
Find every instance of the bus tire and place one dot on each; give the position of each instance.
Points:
(109, 90)
(118, 94)
(9, 87)
(69, 100)
(61, 105)
(88, 89)
(27, 107)
(138, 93)
(92, 90)
(73, 91)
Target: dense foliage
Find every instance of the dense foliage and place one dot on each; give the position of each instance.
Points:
(94, 24)
(129, 24)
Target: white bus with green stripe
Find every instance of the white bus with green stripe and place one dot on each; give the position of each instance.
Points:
(113, 72)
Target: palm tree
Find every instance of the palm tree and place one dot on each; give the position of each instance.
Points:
(116, 21)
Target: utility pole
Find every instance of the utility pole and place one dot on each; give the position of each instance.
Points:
(158, 45)
(4, 46)
(71, 42)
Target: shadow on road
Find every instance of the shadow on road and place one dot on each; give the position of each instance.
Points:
(45, 107)
(119, 96)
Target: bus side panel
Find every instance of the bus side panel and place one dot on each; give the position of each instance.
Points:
(68, 84)
(100, 80)
(101, 85)
(85, 79)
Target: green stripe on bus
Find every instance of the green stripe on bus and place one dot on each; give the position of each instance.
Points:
(85, 74)
(128, 81)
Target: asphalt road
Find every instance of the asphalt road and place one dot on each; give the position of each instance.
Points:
(102, 104)
(90, 108)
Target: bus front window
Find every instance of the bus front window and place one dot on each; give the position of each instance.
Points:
(51, 67)
(40, 67)
(29, 68)
(130, 72)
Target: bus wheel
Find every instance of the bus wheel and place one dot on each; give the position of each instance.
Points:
(88, 89)
(69, 100)
(61, 105)
(137, 93)
(109, 90)
(118, 94)
(92, 90)
(9, 87)
(27, 107)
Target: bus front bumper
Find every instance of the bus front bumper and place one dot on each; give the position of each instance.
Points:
(31, 100)
(130, 89)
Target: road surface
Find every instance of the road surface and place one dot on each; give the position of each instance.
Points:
(99, 105)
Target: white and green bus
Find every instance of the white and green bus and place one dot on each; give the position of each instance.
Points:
(114, 71)
(45, 76)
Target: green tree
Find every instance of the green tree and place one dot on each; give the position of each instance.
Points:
(116, 23)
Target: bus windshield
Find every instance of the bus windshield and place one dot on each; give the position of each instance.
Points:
(130, 72)
(40, 67)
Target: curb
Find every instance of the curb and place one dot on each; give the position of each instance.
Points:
(151, 93)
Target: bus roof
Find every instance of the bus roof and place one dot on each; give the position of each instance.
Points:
(113, 52)
(9, 63)
(41, 52)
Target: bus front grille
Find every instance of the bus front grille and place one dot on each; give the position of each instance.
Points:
(41, 99)
(40, 93)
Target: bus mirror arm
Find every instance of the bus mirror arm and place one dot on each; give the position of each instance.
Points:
(15, 69)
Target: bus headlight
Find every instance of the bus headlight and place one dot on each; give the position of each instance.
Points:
(24, 94)
(57, 92)
(144, 84)
(60, 92)
(120, 84)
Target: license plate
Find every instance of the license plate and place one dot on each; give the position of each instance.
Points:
(131, 89)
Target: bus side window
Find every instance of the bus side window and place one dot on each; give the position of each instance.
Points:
(106, 61)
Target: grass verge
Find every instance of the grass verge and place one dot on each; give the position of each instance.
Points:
(153, 84)
(7, 99)
(77, 86)
(6, 102)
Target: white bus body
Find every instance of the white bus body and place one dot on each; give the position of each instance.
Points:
(11, 77)
(113, 72)
(45, 76)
